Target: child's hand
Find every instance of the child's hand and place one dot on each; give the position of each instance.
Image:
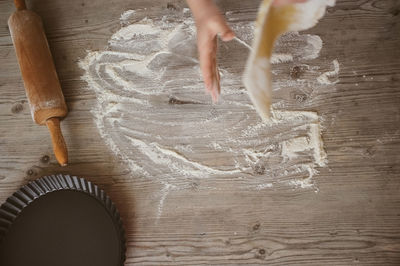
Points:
(210, 23)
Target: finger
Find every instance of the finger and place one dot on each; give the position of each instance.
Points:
(215, 89)
(207, 54)
(222, 29)
(217, 84)
(227, 36)
(211, 80)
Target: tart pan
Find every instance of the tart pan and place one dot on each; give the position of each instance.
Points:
(60, 220)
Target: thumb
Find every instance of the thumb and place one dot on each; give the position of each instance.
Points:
(223, 30)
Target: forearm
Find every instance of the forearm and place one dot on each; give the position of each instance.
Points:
(202, 8)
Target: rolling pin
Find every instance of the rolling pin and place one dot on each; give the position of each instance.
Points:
(39, 74)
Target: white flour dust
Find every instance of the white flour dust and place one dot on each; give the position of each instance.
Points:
(153, 113)
(325, 78)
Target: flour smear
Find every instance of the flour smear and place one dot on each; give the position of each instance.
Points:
(153, 113)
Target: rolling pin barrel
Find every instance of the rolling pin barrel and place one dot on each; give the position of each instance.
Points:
(39, 74)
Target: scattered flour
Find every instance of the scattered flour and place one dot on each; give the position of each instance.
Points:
(127, 14)
(153, 113)
(302, 47)
(291, 148)
(264, 186)
(325, 77)
(280, 58)
(133, 31)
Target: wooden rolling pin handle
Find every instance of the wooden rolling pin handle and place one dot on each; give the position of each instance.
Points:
(59, 146)
(20, 4)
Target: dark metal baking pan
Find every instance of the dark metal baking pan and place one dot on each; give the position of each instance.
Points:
(60, 220)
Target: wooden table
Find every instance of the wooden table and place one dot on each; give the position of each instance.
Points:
(353, 219)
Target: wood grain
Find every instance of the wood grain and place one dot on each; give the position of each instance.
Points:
(353, 219)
